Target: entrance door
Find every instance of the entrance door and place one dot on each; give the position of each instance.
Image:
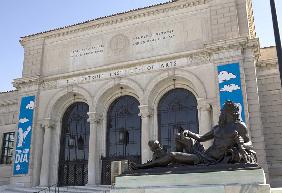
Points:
(73, 163)
(123, 134)
(177, 109)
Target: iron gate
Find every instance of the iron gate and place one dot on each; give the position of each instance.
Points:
(177, 109)
(73, 163)
(123, 134)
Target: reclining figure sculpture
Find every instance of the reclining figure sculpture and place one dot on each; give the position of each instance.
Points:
(231, 144)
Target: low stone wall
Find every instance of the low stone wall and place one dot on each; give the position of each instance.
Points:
(5, 174)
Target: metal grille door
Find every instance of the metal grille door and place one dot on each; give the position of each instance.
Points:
(177, 108)
(123, 133)
(73, 166)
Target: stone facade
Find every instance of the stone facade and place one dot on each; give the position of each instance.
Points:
(8, 123)
(144, 54)
(269, 86)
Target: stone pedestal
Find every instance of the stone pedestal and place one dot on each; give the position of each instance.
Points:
(239, 181)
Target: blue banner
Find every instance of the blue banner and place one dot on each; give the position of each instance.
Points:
(230, 86)
(22, 151)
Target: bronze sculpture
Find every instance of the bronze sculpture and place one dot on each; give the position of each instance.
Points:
(231, 144)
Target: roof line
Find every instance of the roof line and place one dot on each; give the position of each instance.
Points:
(97, 19)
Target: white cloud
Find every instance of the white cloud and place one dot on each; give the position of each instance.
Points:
(30, 105)
(24, 120)
(224, 76)
(230, 88)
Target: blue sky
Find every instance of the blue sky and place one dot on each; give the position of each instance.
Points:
(23, 17)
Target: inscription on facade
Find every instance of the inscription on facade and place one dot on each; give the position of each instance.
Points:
(153, 37)
(124, 72)
(91, 50)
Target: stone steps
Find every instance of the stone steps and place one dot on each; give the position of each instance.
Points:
(68, 189)
(73, 189)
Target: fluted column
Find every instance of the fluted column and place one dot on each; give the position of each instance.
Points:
(204, 112)
(145, 114)
(94, 120)
(47, 125)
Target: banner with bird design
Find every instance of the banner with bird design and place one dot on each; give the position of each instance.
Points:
(23, 139)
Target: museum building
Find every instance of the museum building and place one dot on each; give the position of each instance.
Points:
(98, 91)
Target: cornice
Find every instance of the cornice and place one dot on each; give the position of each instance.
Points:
(9, 98)
(235, 43)
(25, 81)
(6, 102)
(116, 18)
(241, 42)
(269, 63)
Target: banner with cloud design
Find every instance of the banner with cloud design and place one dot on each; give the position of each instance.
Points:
(23, 143)
(230, 86)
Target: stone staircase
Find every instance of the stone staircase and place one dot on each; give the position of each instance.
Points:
(72, 189)
(68, 189)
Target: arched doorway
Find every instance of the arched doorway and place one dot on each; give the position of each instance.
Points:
(123, 134)
(176, 109)
(74, 146)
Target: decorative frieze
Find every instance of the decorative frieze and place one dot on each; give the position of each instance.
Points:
(46, 85)
(227, 54)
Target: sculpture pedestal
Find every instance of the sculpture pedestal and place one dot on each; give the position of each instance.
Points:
(238, 181)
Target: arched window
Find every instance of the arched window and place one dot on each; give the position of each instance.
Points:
(124, 129)
(74, 146)
(176, 109)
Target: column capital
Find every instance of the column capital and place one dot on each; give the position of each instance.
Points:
(47, 123)
(94, 117)
(203, 105)
(145, 111)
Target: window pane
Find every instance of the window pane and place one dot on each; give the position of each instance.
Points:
(7, 148)
(176, 109)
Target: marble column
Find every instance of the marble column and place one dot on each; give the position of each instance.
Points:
(145, 114)
(37, 158)
(48, 126)
(94, 120)
(205, 119)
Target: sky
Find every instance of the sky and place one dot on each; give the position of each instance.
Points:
(23, 17)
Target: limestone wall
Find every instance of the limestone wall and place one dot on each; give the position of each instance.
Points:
(271, 110)
(8, 123)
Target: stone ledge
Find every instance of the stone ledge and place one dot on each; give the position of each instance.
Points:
(250, 188)
(255, 176)
(238, 181)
